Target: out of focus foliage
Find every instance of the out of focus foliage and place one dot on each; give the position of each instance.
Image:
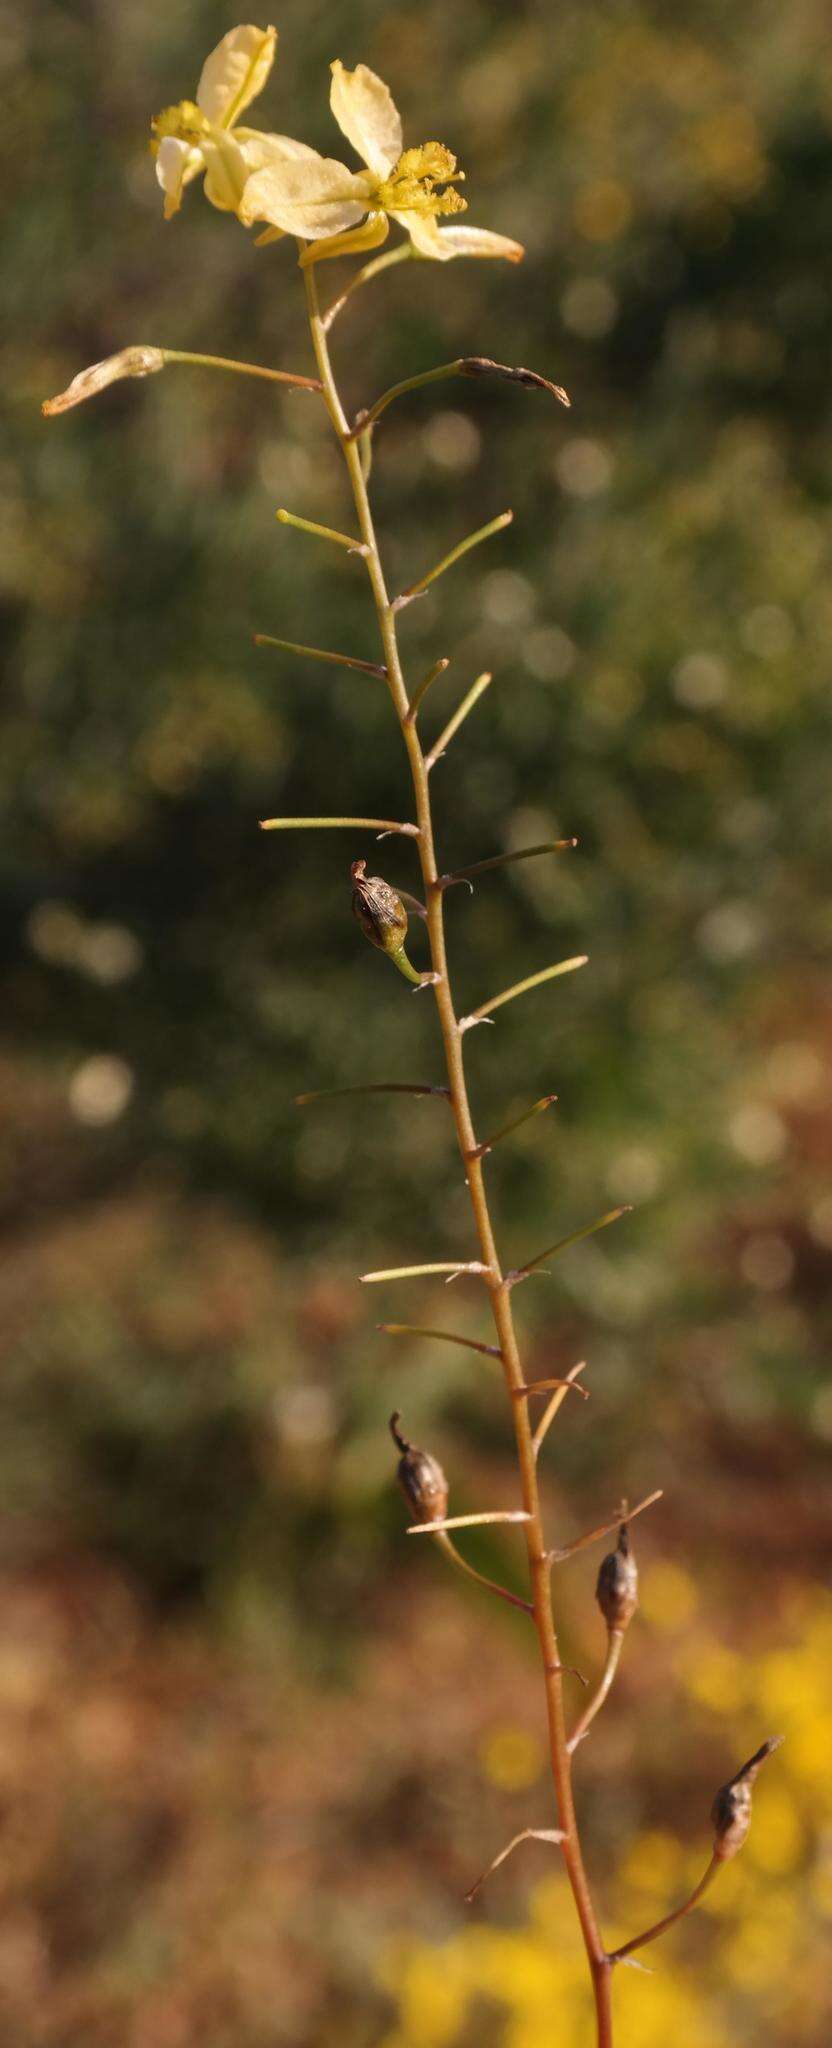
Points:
(192, 1450)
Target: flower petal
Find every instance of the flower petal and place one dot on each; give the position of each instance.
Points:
(235, 72)
(373, 231)
(226, 171)
(479, 242)
(425, 235)
(367, 114)
(260, 149)
(310, 197)
(176, 164)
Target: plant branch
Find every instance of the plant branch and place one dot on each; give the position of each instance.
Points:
(619, 1955)
(442, 1336)
(461, 1564)
(537, 1109)
(342, 540)
(463, 547)
(563, 1244)
(551, 1409)
(451, 1266)
(503, 860)
(367, 668)
(605, 1528)
(471, 698)
(380, 825)
(421, 691)
(499, 1292)
(401, 254)
(521, 988)
(373, 1088)
(468, 1521)
(615, 1639)
(526, 1835)
(463, 366)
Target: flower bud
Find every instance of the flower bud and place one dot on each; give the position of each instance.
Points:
(382, 917)
(421, 1478)
(617, 1589)
(130, 362)
(731, 1810)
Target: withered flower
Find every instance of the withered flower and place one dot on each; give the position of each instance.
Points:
(420, 1477)
(382, 917)
(617, 1589)
(731, 1810)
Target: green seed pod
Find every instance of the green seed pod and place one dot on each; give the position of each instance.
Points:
(617, 1589)
(731, 1810)
(421, 1478)
(382, 917)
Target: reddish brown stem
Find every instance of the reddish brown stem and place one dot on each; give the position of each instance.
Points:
(498, 1283)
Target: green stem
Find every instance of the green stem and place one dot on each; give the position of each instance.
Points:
(184, 355)
(499, 1287)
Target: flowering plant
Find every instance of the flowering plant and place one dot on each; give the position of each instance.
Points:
(286, 188)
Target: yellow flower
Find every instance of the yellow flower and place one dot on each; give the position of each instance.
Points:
(321, 201)
(197, 134)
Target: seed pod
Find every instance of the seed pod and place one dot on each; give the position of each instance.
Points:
(731, 1810)
(421, 1478)
(382, 917)
(617, 1589)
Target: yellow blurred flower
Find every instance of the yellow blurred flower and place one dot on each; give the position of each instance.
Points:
(668, 1595)
(715, 1676)
(511, 1758)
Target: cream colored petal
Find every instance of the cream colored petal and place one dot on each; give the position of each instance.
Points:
(260, 149)
(425, 235)
(176, 164)
(226, 171)
(366, 113)
(312, 197)
(235, 72)
(479, 242)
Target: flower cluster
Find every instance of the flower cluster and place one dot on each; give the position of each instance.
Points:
(290, 187)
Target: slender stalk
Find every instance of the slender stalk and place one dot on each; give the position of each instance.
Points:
(471, 698)
(452, 1267)
(521, 988)
(421, 691)
(342, 540)
(604, 1528)
(454, 1557)
(505, 1130)
(499, 1288)
(551, 1408)
(680, 1912)
(463, 547)
(381, 825)
(401, 254)
(366, 668)
(563, 1244)
(442, 1336)
(502, 860)
(593, 1706)
(373, 1088)
(200, 362)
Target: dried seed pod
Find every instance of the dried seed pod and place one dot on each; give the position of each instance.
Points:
(731, 1810)
(617, 1589)
(420, 1477)
(382, 917)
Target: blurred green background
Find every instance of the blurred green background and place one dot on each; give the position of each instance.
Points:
(252, 1749)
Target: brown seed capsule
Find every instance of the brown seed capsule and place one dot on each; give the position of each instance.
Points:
(421, 1478)
(731, 1810)
(382, 917)
(617, 1589)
